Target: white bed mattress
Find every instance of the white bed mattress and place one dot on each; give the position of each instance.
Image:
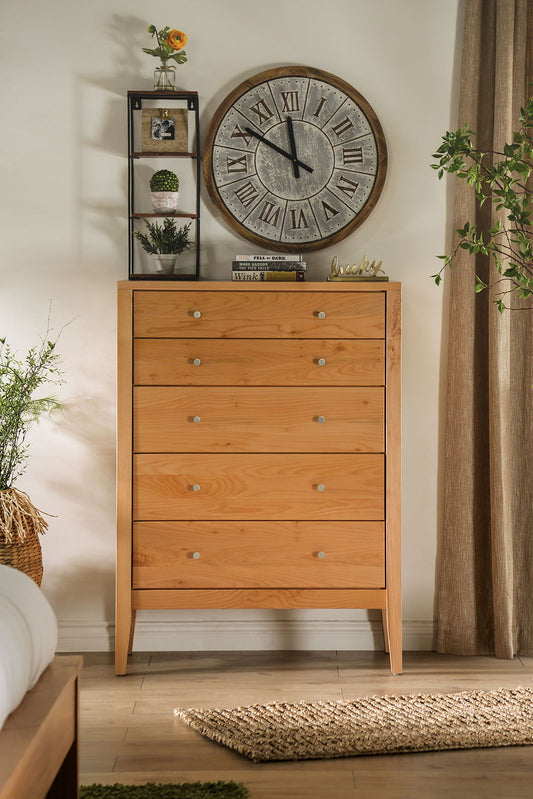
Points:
(28, 637)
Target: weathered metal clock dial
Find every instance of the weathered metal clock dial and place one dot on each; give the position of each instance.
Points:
(295, 159)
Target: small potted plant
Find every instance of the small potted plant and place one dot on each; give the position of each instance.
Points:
(164, 186)
(165, 242)
(20, 521)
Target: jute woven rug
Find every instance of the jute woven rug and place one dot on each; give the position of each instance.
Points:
(370, 725)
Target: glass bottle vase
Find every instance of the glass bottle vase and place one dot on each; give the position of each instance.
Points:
(165, 78)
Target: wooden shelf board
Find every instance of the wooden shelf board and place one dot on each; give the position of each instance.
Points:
(151, 154)
(171, 95)
(142, 216)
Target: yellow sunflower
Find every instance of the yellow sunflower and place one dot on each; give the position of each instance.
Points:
(176, 39)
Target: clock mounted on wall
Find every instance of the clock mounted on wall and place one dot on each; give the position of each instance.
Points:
(294, 159)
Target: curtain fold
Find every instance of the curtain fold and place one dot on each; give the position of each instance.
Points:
(485, 559)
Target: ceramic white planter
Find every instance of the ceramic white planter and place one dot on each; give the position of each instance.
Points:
(163, 264)
(164, 202)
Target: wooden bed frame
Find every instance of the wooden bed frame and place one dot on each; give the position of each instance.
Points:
(39, 740)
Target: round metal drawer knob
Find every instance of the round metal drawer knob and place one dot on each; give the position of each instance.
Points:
(196, 555)
(197, 362)
(321, 555)
(196, 419)
(196, 487)
(321, 314)
(321, 361)
(321, 487)
(321, 419)
(197, 314)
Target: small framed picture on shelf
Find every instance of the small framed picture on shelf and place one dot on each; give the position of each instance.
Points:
(164, 130)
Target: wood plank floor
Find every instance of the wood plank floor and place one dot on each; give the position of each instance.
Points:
(129, 733)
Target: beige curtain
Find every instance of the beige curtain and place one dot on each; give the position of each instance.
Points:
(485, 556)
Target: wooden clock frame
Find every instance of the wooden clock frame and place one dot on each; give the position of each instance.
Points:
(269, 75)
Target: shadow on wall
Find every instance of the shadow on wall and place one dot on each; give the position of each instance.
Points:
(100, 133)
(81, 584)
(79, 573)
(90, 421)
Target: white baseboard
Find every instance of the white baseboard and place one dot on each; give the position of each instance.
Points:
(241, 635)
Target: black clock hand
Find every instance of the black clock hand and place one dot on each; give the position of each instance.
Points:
(292, 143)
(276, 148)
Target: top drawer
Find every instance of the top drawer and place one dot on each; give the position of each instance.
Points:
(243, 314)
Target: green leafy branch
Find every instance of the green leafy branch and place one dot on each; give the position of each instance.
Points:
(504, 181)
(19, 408)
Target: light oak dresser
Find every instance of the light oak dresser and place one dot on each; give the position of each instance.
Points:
(258, 449)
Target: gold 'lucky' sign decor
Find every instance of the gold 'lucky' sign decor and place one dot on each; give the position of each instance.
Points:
(362, 271)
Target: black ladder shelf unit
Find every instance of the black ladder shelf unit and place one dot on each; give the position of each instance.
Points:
(135, 103)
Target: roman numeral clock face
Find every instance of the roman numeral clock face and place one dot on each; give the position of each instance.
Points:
(294, 159)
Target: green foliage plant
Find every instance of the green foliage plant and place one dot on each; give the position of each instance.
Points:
(502, 178)
(19, 407)
(164, 180)
(165, 239)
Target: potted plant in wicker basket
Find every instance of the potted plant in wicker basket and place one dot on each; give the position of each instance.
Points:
(20, 521)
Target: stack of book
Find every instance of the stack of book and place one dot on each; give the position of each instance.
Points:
(268, 267)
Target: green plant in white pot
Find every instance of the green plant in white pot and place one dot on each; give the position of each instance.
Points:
(164, 187)
(20, 521)
(165, 242)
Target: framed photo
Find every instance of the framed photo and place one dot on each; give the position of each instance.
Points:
(164, 130)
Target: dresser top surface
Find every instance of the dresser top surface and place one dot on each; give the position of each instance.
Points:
(228, 285)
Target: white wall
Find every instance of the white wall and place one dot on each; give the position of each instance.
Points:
(66, 67)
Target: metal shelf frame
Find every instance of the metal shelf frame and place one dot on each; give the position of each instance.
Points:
(135, 103)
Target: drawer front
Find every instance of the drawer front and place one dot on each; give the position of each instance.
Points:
(226, 362)
(258, 555)
(242, 486)
(230, 314)
(252, 419)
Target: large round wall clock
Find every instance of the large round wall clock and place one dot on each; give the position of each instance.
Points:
(294, 159)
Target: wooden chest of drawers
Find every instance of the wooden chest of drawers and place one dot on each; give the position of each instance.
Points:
(258, 449)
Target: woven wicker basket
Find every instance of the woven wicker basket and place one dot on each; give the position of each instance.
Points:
(24, 555)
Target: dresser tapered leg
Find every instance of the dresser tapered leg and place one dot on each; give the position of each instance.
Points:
(123, 632)
(132, 631)
(393, 623)
(385, 630)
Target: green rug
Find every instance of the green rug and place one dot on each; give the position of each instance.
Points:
(160, 790)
